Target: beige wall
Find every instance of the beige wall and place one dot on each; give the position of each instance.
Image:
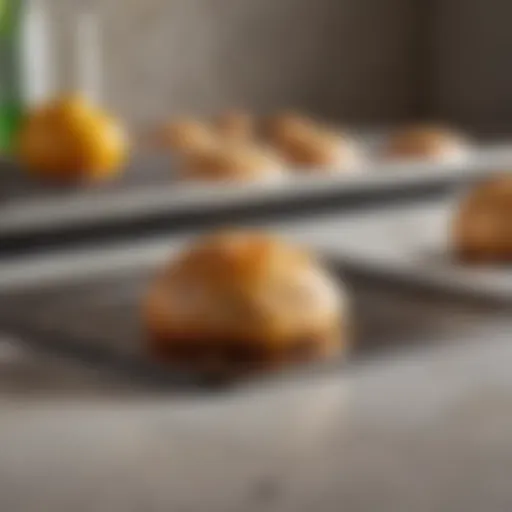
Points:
(348, 59)
(354, 60)
(471, 62)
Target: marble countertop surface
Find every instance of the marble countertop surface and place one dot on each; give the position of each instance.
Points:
(426, 430)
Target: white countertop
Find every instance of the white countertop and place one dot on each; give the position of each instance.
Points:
(429, 431)
(424, 427)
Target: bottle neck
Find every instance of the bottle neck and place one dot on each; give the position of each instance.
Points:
(36, 65)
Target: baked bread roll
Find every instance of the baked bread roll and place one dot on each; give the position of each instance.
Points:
(236, 125)
(185, 136)
(320, 151)
(282, 127)
(482, 230)
(427, 143)
(240, 300)
(233, 162)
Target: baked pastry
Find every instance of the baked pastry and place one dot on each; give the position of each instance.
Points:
(317, 150)
(185, 135)
(237, 301)
(427, 143)
(285, 126)
(233, 162)
(482, 230)
(235, 125)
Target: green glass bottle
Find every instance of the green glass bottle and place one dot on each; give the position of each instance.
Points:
(25, 70)
(11, 101)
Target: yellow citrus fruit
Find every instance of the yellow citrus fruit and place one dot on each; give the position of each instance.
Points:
(70, 139)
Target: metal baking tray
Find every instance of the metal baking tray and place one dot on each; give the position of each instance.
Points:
(412, 243)
(86, 304)
(148, 190)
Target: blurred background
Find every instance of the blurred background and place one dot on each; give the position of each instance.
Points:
(362, 61)
(202, 56)
(109, 127)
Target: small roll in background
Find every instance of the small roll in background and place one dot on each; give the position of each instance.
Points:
(430, 143)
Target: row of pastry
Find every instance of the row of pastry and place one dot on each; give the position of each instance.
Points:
(239, 147)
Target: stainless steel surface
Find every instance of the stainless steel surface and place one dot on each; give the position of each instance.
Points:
(409, 243)
(98, 322)
(31, 372)
(149, 189)
(413, 243)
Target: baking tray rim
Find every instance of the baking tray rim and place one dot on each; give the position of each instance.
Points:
(23, 217)
(323, 233)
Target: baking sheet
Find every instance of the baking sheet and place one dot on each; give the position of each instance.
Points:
(87, 303)
(149, 189)
(412, 244)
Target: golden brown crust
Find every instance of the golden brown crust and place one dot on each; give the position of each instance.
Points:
(232, 162)
(236, 125)
(482, 229)
(318, 150)
(244, 299)
(426, 142)
(308, 146)
(284, 126)
(185, 135)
